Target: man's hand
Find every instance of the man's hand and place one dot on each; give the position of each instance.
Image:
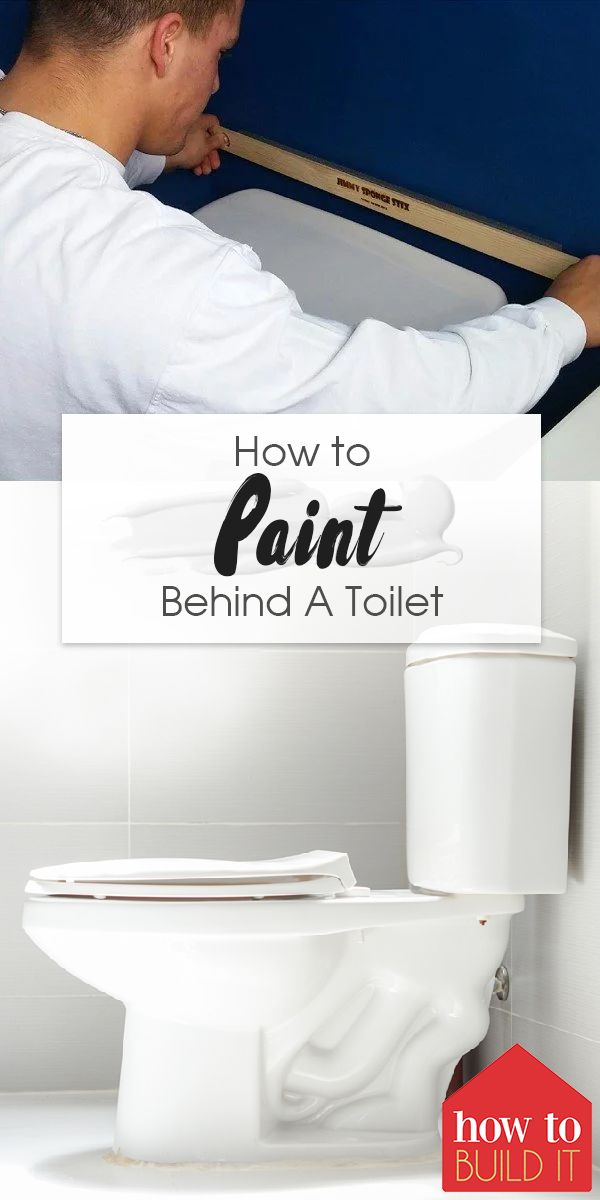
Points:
(201, 151)
(579, 287)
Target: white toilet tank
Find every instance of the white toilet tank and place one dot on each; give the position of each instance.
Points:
(488, 749)
(344, 271)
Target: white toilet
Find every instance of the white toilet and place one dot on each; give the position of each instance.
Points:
(275, 1010)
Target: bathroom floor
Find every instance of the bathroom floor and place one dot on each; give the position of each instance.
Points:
(56, 1145)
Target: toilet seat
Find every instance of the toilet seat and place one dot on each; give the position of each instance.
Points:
(317, 874)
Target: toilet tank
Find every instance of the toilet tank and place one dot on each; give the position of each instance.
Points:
(347, 272)
(488, 751)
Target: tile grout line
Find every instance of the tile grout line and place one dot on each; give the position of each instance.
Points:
(57, 996)
(61, 824)
(206, 824)
(546, 1025)
(270, 824)
(62, 1092)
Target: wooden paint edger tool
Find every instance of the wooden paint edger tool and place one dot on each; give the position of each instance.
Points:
(522, 250)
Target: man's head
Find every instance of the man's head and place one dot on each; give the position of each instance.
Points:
(172, 49)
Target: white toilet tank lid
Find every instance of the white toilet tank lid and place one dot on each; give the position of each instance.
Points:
(347, 272)
(489, 639)
(320, 872)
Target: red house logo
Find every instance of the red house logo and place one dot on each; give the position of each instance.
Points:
(517, 1127)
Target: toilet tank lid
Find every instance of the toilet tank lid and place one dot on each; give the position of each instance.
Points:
(489, 639)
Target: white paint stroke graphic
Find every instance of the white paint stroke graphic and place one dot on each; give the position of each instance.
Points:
(159, 535)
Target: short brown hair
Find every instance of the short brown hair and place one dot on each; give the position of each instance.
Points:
(98, 24)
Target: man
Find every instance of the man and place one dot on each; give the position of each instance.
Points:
(111, 302)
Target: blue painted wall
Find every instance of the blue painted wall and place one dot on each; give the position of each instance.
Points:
(13, 14)
(491, 105)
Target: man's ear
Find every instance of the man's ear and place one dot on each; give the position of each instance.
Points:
(165, 36)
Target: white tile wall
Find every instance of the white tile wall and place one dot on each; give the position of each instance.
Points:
(254, 735)
(376, 851)
(30, 592)
(554, 959)
(55, 1044)
(63, 734)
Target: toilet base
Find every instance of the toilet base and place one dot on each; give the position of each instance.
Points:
(193, 1094)
(313, 1030)
(176, 1099)
(177, 1105)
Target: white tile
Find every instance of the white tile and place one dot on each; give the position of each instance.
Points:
(60, 1043)
(376, 851)
(64, 734)
(30, 557)
(566, 557)
(26, 971)
(575, 1059)
(555, 960)
(253, 735)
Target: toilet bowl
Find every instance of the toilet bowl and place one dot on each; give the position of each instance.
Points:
(276, 1010)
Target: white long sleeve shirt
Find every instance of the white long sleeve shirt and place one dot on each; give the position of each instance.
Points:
(143, 169)
(111, 302)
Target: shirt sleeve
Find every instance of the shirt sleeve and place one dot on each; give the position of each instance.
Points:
(143, 168)
(249, 348)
